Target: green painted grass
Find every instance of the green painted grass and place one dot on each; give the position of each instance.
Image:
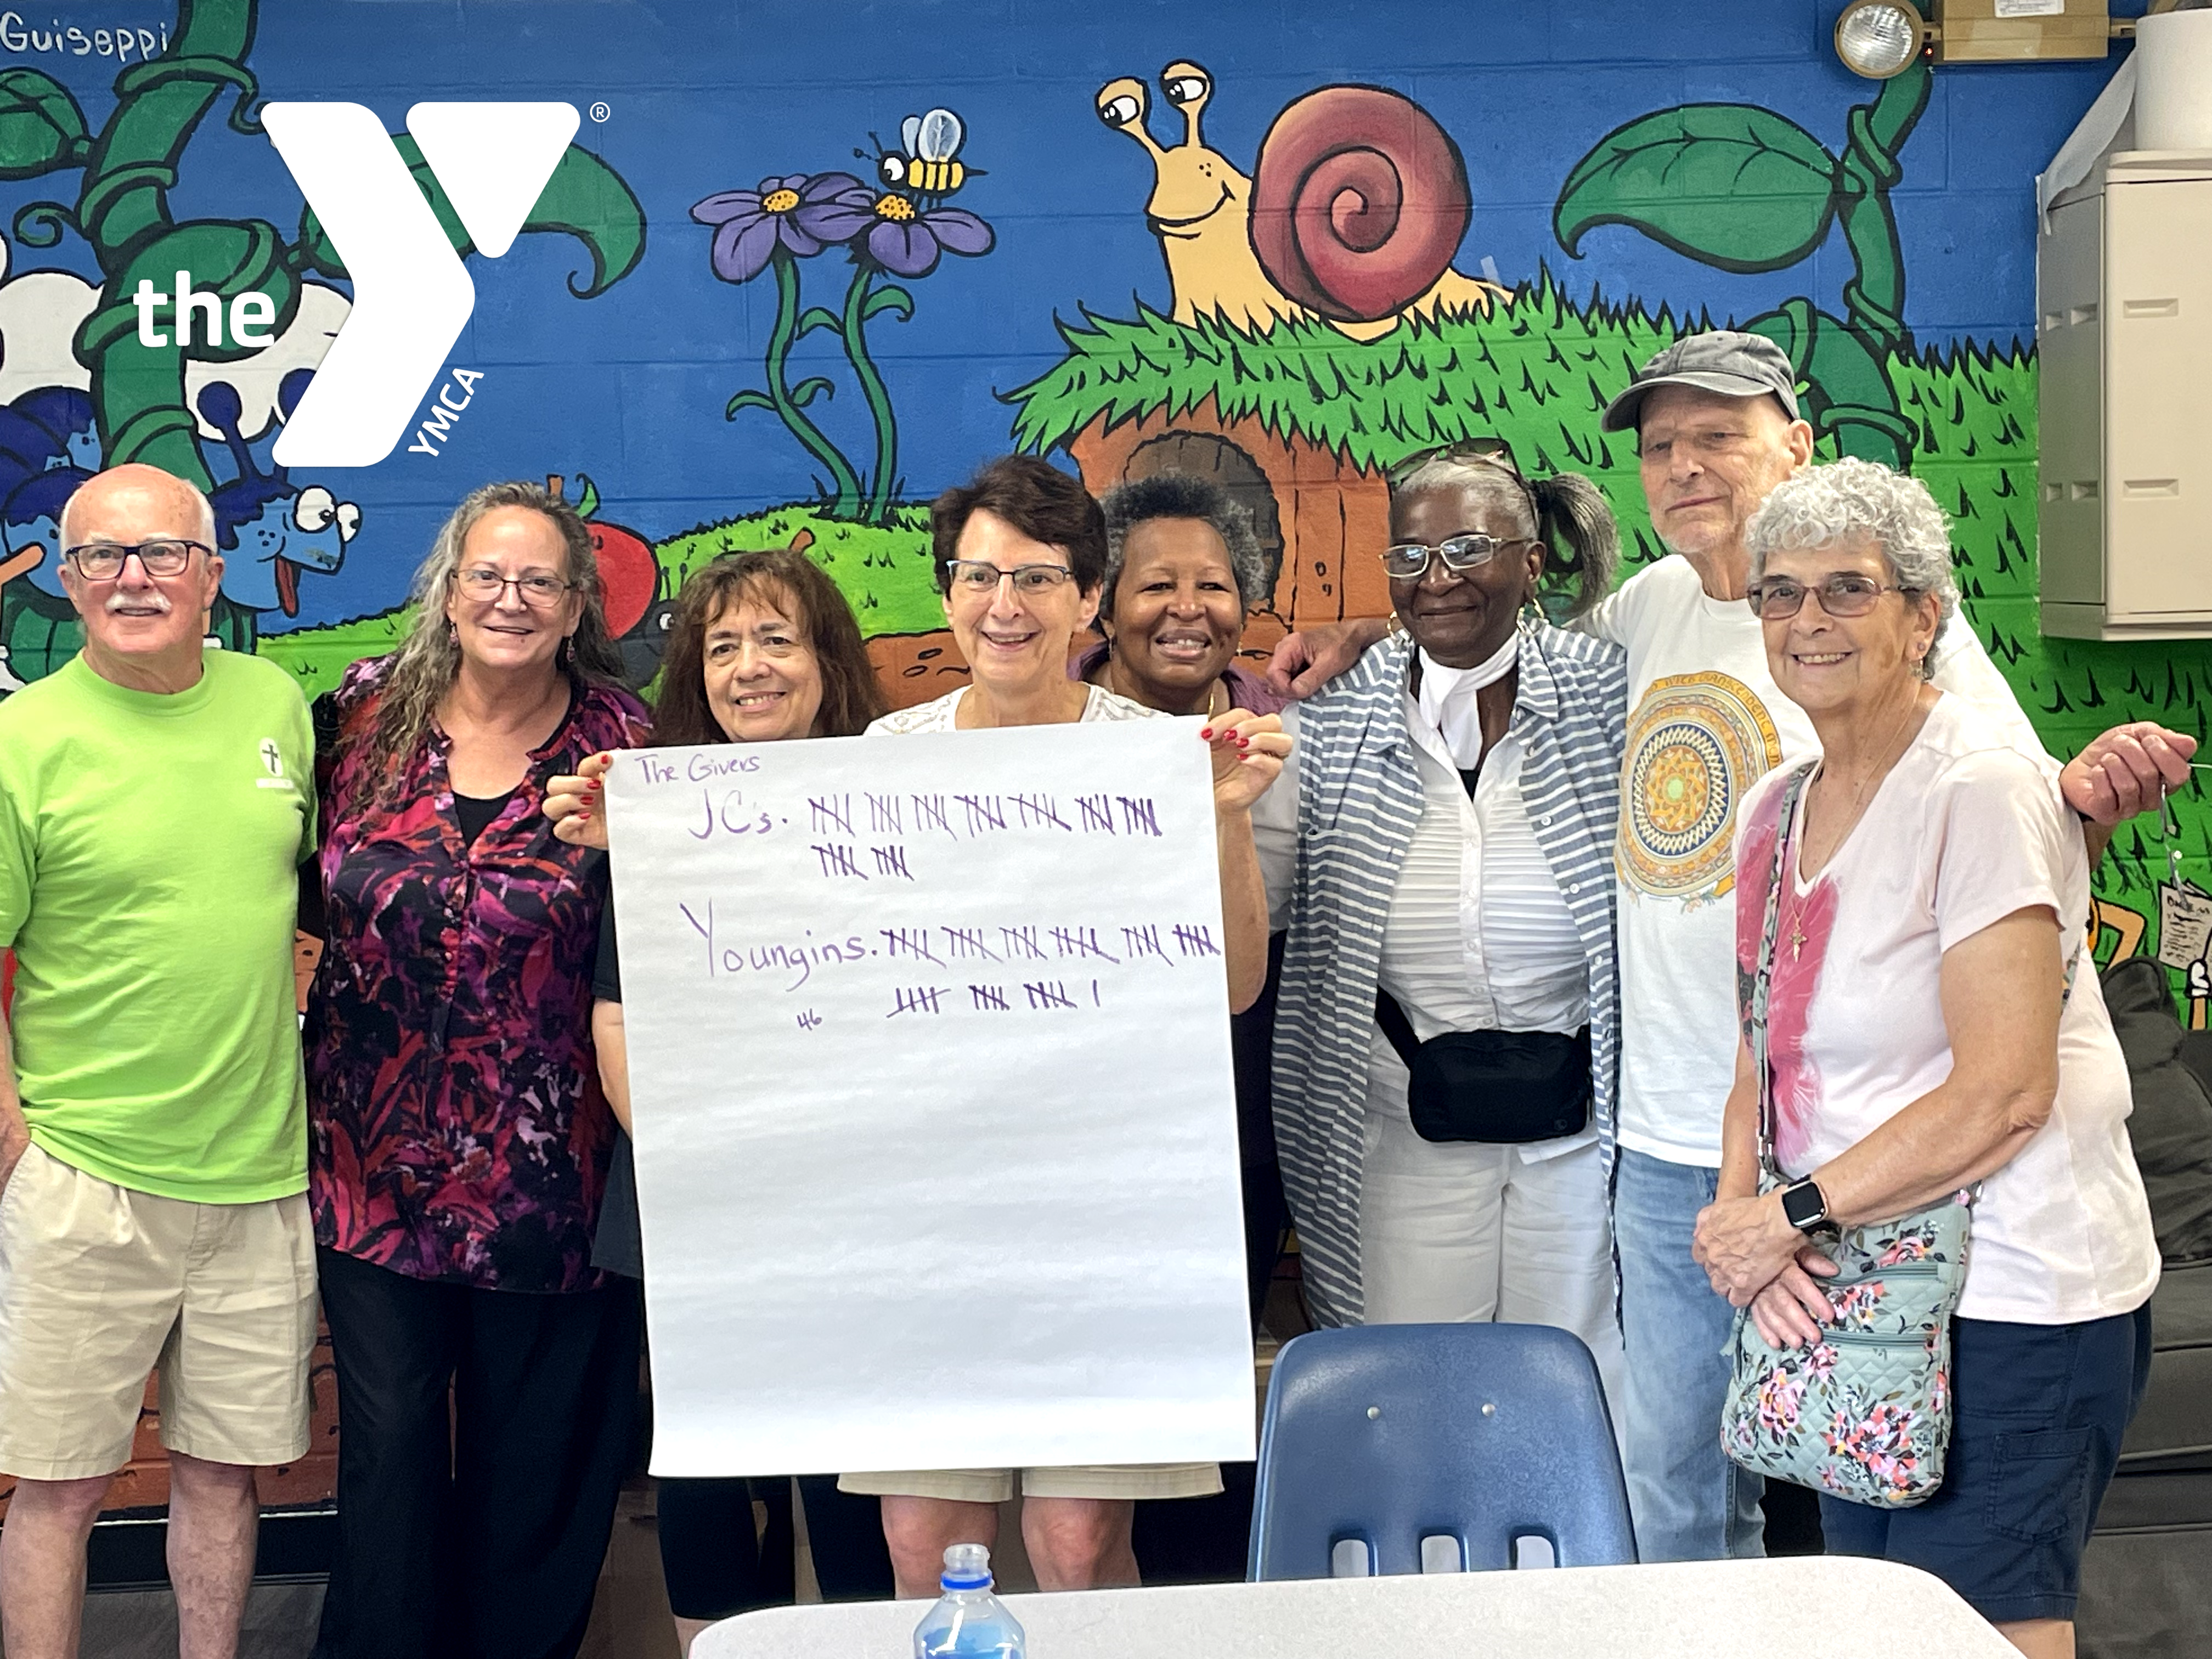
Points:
(883, 570)
(317, 656)
(1535, 372)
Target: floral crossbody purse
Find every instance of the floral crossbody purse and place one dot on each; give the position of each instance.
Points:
(1865, 1412)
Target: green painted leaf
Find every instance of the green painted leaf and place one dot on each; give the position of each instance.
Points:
(815, 316)
(890, 297)
(588, 199)
(808, 390)
(585, 198)
(1727, 185)
(747, 400)
(40, 126)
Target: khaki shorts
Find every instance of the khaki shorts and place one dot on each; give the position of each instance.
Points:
(1106, 1480)
(99, 1284)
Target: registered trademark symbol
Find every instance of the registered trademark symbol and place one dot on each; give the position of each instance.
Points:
(599, 111)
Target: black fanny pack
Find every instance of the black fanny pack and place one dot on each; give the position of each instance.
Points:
(1504, 1087)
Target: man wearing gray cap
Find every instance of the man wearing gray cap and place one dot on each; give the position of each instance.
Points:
(1717, 425)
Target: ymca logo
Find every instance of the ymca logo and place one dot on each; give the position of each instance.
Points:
(411, 294)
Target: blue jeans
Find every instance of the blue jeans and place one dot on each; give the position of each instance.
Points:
(1690, 1503)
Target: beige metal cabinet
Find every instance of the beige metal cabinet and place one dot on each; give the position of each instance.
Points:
(2123, 330)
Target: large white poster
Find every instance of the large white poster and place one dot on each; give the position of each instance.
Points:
(936, 1135)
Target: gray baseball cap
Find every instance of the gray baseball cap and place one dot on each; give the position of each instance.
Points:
(1720, 359)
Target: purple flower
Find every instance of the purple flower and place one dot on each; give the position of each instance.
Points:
(803, 214)
(906, 240)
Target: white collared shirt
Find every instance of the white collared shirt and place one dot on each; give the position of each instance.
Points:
(1479, 937)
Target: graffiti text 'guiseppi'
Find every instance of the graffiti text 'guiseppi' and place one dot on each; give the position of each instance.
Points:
(411, 294)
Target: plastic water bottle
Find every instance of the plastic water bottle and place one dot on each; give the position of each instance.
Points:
(968, 1620)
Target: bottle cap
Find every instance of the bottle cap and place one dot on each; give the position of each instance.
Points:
(966, 1566)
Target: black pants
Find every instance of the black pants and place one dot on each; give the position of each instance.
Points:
(473, 1530)
(715, 1567)
(1266, 1227)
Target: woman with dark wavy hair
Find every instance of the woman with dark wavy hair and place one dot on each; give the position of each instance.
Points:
(458, 1138)
(763, 647)
(782, 587)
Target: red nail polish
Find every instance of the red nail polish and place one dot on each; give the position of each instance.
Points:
(1205, 731)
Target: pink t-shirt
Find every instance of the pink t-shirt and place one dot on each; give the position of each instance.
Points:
(1963, 831)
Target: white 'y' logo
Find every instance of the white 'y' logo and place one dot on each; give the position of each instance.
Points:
(411, 294)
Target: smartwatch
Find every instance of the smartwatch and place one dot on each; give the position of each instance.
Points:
(1806, 1209)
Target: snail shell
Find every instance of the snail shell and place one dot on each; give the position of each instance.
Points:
(1358, 203)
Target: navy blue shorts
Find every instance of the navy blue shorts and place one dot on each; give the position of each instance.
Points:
(2035, 1434)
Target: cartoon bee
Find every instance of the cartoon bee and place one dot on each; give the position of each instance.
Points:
(926, 164)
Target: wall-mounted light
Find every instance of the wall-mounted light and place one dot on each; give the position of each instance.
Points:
(1880, 38)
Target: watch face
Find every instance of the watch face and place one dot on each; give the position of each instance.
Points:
(1803, 1206)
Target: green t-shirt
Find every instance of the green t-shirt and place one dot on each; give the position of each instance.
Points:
(149, 848)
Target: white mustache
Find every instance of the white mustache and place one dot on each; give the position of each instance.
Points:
(152, 596)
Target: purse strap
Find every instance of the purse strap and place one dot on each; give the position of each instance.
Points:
(1395, 1026)
(1763, 974)
(1784, 835)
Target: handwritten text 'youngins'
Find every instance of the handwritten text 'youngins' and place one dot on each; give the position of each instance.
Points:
(972, 949)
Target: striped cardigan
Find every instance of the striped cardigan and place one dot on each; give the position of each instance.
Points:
(1359, 800)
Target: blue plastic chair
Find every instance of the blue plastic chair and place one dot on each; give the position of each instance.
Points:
(1391, 1434)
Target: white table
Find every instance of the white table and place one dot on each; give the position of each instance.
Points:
(1836, 1608)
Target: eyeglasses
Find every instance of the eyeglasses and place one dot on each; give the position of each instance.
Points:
(480, 582)
(1843, 595)
(103, 562)
(976, 578)
(1408, 561)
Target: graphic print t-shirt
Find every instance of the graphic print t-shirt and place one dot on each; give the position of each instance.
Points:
(1705, 722)
(1963, 831)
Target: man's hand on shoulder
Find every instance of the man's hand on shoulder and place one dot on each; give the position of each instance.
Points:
(1309, 660)
(2124, 771)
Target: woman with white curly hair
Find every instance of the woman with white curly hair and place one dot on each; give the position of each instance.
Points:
(1953, 1239)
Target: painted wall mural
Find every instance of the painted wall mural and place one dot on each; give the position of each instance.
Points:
(780, 290)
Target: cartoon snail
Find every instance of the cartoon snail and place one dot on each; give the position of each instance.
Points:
(1358, 205)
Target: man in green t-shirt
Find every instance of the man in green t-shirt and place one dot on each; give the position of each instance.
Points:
(155, 799)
